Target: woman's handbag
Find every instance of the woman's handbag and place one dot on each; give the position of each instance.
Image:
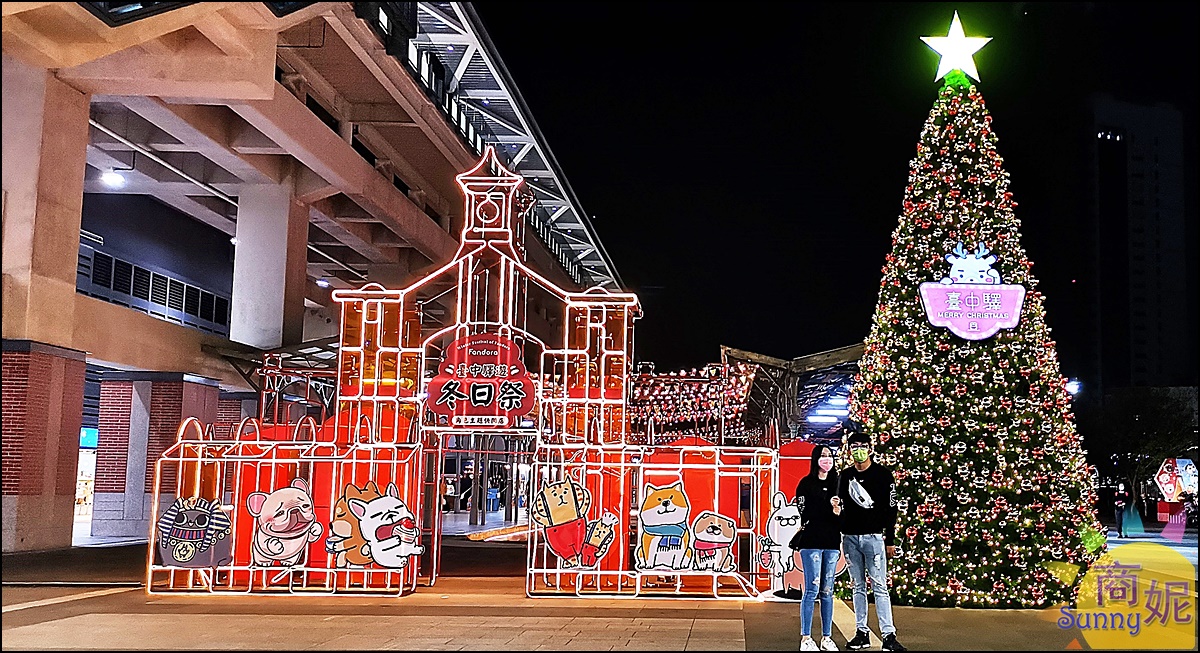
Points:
(795, 543)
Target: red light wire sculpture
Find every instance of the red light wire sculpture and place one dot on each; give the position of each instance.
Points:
(482, 346)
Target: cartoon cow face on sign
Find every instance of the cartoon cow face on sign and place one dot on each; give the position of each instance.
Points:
(972, 267)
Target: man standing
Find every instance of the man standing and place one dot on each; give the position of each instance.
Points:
(464, 490)
(867, 497)
(1120, 500)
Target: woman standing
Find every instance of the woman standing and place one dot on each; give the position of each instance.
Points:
(819, 544)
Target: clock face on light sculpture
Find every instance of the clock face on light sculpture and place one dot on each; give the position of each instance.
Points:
(957, 50)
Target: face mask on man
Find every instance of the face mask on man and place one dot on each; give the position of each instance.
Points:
(825, 463)
(860, 455)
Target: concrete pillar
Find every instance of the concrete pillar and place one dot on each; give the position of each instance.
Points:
(45, 153)
(45, 137)
(269, 267)
(140, 413)
(43, 410)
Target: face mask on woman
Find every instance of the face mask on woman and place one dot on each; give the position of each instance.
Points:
(825, 463)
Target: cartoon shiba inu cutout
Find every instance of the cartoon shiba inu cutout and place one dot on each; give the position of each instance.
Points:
(345, 539)
(664, 518)
(714, 535)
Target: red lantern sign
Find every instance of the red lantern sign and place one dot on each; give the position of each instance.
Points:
(483, 383)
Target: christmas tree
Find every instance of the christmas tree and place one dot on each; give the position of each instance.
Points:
(996, 505)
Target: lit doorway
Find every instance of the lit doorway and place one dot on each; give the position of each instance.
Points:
(484, 485)
(85, 475)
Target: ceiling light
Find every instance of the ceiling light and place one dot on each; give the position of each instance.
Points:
(486, 102)
(233, 241)
(112, 178)
(322, 283)
(449, 48)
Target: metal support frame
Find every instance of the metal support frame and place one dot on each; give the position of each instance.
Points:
(617, 478)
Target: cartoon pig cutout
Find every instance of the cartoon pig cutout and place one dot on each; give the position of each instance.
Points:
(971, 267)
(285, 524)
(389, 528)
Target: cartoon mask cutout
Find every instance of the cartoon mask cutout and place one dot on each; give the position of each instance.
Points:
(191, 528)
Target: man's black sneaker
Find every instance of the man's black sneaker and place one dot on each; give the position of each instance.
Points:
(862, 639)
(890, 643)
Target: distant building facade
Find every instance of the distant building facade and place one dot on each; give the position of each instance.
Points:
(1139, 303)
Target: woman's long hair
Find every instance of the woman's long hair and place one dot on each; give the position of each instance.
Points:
(814, 469)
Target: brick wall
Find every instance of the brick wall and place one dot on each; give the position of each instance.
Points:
(15, 372)
(166, 412)
(42, 402)
(229, 415)
(112, 450)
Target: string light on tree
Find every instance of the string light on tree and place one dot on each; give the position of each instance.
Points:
(994, 494)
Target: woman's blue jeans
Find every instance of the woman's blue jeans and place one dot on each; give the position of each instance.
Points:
(819, 567)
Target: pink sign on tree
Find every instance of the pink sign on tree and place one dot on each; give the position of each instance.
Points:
(971, 301)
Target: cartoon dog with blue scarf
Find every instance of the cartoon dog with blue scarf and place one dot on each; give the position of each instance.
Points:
(665, 541)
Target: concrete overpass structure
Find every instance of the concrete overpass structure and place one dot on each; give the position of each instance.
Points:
(321, 139)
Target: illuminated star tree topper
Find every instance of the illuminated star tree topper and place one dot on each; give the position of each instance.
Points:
(957, 50)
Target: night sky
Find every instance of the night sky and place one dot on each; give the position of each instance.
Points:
(746, 163)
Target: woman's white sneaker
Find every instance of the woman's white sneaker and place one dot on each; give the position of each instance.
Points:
(807, 644)
(828, 645)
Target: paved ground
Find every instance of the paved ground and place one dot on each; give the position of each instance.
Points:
(467, 614)
(466, 610)
(1185, 545)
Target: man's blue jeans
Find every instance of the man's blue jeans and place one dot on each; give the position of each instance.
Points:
(819, 566)
(866, 555)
